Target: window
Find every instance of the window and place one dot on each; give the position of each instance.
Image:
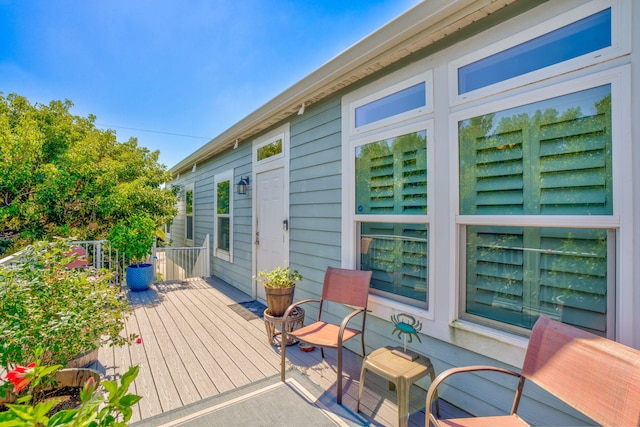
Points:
(223, 233)
(391, 175)
(270, 149)
(547, 159)
(399, 102)
(397, 254)
(395, 103)
(391, 181)
(576, 39)
(189, 214)
(386, 225)
(594, 32)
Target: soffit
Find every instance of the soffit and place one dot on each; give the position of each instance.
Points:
(421, 26)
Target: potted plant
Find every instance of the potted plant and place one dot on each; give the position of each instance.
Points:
(279, 285)
(133, 237)
(44, 304)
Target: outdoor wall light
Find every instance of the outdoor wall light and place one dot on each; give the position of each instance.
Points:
(243, 185)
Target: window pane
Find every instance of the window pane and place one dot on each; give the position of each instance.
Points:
(189, 234)
(189, 202)
(270, 150)
(548, 158)
(397, 255)
(391, 176)
(222, 197)
(515, 274)
(402, 101)
(587, 35)
(223, 233)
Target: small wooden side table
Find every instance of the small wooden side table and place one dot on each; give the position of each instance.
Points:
(296, 321)
(400, 371)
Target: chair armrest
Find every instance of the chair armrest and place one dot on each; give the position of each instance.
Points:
(432, 392)
(294, 305)
(345, 321)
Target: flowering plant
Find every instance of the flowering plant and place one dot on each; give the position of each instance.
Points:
(96, 409)
(279, 277)
(45, 304)
(34, 376)
(19, 376)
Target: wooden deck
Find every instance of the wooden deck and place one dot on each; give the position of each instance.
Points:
(195, 345)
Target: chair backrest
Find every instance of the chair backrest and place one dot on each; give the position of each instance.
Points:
(596, 376)
(80, 257)
(344, 286)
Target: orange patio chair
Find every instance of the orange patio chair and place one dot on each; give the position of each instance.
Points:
(80, 257)
(349, 287)
(594, 375)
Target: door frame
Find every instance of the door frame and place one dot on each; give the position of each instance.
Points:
(274, 162)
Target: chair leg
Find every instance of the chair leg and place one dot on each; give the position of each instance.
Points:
(339, 383)
(282, 353)
(322, 351)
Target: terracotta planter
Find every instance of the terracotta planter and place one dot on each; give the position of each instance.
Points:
(279, 299)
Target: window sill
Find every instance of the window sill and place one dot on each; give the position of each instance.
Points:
(384, 308)
(223, 255)
(499, 345)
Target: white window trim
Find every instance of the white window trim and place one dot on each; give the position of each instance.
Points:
(620, 45)
(270, 140)
(187, 188)
(222, 177)
(426, 77)
(411, 121)
(621, 219)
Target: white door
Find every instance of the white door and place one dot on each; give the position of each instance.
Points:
(272, 228)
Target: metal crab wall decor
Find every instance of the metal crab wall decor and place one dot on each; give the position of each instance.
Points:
(406, 326)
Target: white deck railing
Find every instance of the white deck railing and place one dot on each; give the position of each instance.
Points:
(169, 263)
(182, 263)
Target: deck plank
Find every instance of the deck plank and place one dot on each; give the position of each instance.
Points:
(154, 350)
(181, 341)
(195, 346)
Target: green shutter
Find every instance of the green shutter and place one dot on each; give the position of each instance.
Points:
(397, 255)
(532, 161)
(538, 160)
(515, 274)
(391, 176)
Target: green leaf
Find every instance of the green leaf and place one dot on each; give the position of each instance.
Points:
(47, 370)
(62, 417)
(110, 386)
(8, 419)
(129, 376)
(130, 399)
(24, 399)
(126, 413)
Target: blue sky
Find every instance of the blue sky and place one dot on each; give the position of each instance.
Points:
(175, 67)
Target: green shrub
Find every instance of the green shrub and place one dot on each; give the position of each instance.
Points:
(133, 237)
(67, 311)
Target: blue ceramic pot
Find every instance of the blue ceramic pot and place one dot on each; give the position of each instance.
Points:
(139, 276)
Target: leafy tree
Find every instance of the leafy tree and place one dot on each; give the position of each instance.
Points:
(61, 176)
